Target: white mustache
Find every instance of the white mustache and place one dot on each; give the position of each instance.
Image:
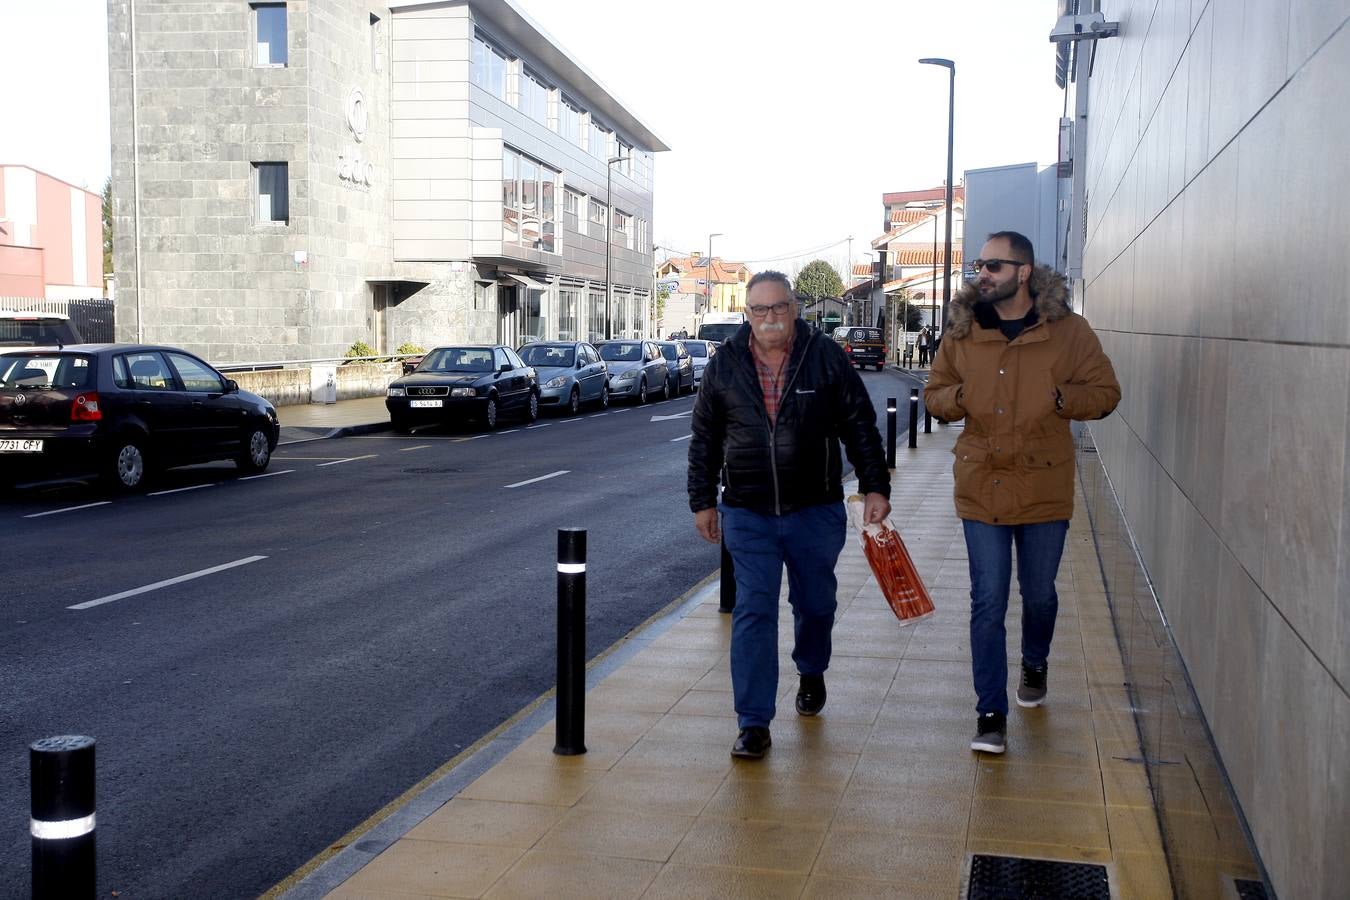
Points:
(773, 326)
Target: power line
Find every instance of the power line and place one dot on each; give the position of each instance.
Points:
(799, 253)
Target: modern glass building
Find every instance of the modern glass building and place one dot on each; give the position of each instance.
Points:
(290, 178)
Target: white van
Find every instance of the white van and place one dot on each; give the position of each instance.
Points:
(718, 326)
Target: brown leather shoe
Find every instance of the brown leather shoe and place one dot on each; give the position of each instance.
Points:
(751, 743)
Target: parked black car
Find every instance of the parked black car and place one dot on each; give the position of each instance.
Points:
(122, 411)
(454, 383)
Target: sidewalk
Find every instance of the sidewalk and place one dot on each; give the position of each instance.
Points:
(878, 796)
(309, 421)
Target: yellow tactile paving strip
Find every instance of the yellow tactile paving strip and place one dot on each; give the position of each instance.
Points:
(878, 796)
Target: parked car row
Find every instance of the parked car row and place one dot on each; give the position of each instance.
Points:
(485, 382)
(121, 411)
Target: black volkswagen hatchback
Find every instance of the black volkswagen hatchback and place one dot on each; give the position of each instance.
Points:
(453, 383)
(123, 410)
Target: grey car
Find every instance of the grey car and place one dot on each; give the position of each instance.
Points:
(679, 365)
(636, 369)
(570, 373)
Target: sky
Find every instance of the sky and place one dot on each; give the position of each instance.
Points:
(785, 127)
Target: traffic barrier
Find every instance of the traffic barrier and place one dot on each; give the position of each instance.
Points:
(61, 774)
(890, 432)
(913, 418)
(571, 718)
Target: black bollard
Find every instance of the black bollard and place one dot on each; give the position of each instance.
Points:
(913, 418)
(571, 718)
(890, 432)
(727, 602)
(927, 420)
(61, 770)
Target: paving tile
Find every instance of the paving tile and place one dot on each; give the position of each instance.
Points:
(706, 703)
(819, 887)
(636, 833)
(603, 749)
(781, 764)
(891, 856)
(528, 784)
(432, 869)
(1031, 850)
(653, 697)
(1062, 824)
(776, 846)
(944, 813)
(675, 793)
(665, 757)
(548, 876)
(683, 882)
(775, 801)
(463, 821)
(1023, 781)
(1133, 829)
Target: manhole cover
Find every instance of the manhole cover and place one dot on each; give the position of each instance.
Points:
(433, 470)
(1014, 878)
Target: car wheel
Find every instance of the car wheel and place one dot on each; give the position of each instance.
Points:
(126, 465)
(642, 392)
(665, 390)
(532, 408)
(604, 396)
(490, 413)
(574, 401)
(255, 453)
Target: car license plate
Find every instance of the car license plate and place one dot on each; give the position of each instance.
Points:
(20, 446)
(424, 404)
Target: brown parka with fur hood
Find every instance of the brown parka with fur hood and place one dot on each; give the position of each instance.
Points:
(1015, 458)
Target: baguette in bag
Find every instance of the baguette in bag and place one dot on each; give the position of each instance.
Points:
(886, 554)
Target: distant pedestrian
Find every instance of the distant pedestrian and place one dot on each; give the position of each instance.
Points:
(925, 345)
(775, 403)
(1017, 365)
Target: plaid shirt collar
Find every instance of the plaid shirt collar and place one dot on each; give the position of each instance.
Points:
(770, 381)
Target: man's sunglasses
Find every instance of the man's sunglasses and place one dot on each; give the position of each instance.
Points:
(995, 265)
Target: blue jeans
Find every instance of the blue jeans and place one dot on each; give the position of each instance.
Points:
(809, 541)
(1039, 548)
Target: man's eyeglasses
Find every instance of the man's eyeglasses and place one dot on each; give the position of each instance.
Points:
(995, 265)
(778, 308)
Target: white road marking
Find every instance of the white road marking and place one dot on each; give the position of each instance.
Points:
(687, 412)
(598, 415)
(510, 431)
(52, 512)
(540, 478)
(565, 421)
(476, 437)
(338, 462)
(540, 425)
(88, 604)
(683, 437)
(418, 447)
(617, 411)
(267, 474)
(179, 490)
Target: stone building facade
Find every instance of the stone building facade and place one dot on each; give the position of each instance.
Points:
(308, 175)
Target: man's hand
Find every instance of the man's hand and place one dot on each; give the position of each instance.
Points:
(875, 509)
(706, 521)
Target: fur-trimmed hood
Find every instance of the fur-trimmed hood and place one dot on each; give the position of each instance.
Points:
(1048, 288)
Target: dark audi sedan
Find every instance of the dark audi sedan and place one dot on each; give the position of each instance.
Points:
(454, 383)
(122, 411)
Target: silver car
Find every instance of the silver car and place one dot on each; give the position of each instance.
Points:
(636, 369)
(699, 353)
(570, 373)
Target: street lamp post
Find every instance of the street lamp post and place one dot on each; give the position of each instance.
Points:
(609, 234)
(951, 123)
(707, 281)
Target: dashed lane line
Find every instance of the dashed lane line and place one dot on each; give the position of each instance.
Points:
(89, 604)
(194, 487)
(540, 478)
(267, 474)
(338, 462)
(409, 449)
(66, 509)
(683, 437)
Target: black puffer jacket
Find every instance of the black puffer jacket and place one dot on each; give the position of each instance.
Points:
(795, 463)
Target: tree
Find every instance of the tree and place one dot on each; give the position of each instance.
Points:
(819, 280)
(107, 227)
(908, 316)
(659, 316)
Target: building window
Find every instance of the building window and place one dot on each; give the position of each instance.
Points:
(529, 204)
(623, 229)
(533, 98)
(482, 295)
(510, 196)
(597, 141)
(376, 43)
(626, 153)
(619, 313)
(487, 68)
(271, 189)
(568, 303)
(597, 317)
(597, 217)
(571, 209)
(548, 209)
(569, 121)
(269, 33)
(643, 238)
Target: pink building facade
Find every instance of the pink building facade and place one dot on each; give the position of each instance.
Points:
(51, 237)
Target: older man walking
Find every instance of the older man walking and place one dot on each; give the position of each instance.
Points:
(776, 401)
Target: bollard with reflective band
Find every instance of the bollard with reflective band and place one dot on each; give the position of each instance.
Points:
(913, 418)
(571, 718)
(727, 601)
(61, 772)
(890, 432)
(927, 420)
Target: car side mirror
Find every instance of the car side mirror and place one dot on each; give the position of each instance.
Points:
(506, 367)
(231, 386)
(581, 364)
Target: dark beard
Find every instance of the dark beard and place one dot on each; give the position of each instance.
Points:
(1002, 293)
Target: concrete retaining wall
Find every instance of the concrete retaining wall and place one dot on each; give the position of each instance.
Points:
(286, 387)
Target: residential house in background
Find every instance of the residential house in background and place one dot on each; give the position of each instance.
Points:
(424, 172)
(696, 287)
(914, 246)
(51, 237)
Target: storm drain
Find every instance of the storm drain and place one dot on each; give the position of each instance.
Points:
(1014, 878)
(1249, 890)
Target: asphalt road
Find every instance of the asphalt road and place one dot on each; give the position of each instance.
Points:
(354, 619)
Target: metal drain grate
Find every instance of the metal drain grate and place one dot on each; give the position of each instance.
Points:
(1013, 878)
(1249, 890)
